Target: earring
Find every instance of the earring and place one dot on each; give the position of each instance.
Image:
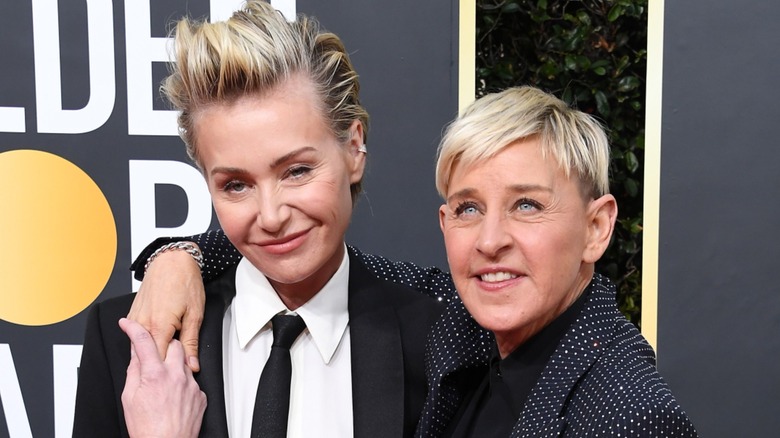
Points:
(362, 148)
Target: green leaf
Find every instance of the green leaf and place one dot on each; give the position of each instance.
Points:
(510, 7)
(567, 95)
(602, 104)
(583, 62)
(615, 12)
(583, 17)
(631, 187)
(627, 83)
(571, 62)
(631, 161)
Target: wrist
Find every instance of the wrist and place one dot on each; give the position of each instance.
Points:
(188, 247)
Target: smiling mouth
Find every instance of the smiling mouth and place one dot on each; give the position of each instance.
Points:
(496, 277)
(284, 245)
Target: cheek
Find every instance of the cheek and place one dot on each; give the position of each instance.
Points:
(234, 218)
(458, 245)
(327, 200)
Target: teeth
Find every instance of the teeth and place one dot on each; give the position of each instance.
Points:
(495, 277)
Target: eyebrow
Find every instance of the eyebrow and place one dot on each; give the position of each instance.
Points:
(287, 157)
(517, 188)
(228, 170)
(277, 162)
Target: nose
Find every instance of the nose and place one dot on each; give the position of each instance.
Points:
(494, 238)
(273, 212)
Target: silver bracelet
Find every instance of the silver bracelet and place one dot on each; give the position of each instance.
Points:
(188, 247)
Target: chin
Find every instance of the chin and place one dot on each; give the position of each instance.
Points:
(499, 319)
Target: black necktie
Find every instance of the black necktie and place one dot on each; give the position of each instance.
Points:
(272, 404)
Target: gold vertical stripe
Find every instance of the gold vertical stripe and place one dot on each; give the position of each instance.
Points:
(467, 52)
(652, 185)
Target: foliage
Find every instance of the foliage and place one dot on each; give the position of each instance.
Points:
(592, 54)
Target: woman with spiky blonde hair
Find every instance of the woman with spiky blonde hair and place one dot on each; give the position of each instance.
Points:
(300, 338)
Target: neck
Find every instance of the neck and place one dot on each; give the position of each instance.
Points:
(295, 295)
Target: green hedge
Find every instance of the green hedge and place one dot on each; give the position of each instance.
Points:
(592, 54)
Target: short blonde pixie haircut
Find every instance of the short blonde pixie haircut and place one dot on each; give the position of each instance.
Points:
(253, 52)
(490, 124)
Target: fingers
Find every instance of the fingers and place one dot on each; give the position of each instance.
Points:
(143, 348)
(189, 336)
(175, 353)
(142, 311)
(162, 338)
(171, 288)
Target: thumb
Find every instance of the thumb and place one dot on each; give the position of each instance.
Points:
(143, 350)
(133, 368)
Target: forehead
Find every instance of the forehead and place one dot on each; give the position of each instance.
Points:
(519, 159)
(523, 162)
(260, 131)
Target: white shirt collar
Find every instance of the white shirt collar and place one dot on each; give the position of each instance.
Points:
(326, 314)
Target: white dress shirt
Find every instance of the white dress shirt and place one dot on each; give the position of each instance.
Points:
(321, 388)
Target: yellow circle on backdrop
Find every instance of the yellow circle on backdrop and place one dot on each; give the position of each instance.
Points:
(59, 238)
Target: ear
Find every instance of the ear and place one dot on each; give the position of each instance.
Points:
(602, 213)
(442, 216)
(357, 158)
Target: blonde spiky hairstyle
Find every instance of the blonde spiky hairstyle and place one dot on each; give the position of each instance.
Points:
(253, 52)
(490, 124)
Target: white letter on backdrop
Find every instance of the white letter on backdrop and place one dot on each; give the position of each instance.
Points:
(11, 395)
(11, 119)
(143, 177)
(48, 87)
(66, 359)
(142, 50)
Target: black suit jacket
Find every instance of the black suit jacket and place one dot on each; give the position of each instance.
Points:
(388, 326)
(600, 381)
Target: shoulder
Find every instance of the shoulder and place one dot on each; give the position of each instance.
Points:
(623, 384)
(370, 296)
(430, 280)
(366, 271)
(626, 391)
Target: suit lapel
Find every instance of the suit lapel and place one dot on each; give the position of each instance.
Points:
(458, 350)
(586, 340)
(219, 294)
(377, 357)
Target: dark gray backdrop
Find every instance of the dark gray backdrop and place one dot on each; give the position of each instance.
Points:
(719, 300)
(406, 53)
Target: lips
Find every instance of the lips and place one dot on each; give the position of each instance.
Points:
(285, 244)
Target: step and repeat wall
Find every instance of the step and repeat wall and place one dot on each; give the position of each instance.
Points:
(719, 249)
(92, 169)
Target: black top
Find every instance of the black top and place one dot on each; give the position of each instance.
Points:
(495, 405)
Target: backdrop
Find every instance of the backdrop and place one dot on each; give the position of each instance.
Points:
(718, 301)
(91, 168)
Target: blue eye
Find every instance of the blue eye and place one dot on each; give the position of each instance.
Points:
(528, 205)
(466, 208)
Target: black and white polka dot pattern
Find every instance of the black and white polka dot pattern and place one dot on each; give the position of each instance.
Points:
(601, 380)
